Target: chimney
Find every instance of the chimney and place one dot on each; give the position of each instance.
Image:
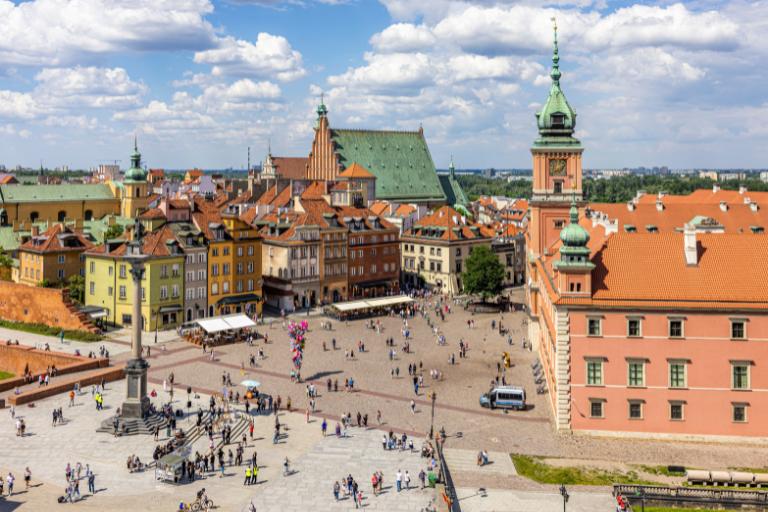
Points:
(455, 219)
(689, 242)
(753, 206)
(715, 188)
(723, 206)
(34, 230)
(659, 205)
(631, 206)
(742, 189)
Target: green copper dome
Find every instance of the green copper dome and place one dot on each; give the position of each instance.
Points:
(556, 120)
(135, 173)
(573, 235)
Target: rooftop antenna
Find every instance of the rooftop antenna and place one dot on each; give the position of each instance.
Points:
(249, 159)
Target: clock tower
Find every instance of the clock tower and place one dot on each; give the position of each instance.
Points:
(557, 175)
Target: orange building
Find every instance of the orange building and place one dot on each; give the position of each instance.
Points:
(52, 256)
(649, 318)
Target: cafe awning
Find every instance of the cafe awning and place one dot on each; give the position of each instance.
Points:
(238, 299)
(380, 302)
(170, 309)
(225, 323)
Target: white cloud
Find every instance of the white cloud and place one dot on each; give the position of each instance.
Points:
(403, 37)
(59, 32)
(89, 87)
(17, 105)
(388, 72)
(674, 25)
(269, 57)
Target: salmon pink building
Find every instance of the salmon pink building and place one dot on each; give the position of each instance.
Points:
(650, 318)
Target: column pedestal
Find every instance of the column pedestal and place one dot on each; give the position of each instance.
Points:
(136, 403)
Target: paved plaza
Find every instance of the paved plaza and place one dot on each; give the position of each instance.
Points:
(318, 461)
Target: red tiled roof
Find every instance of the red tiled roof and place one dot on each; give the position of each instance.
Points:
(154, 213)
(289, 167)
(451, 222)
(380, 207)
(51, 240)
(356, 171)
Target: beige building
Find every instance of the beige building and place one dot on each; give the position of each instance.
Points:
(435, 249)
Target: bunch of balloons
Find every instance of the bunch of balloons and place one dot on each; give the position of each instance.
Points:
(297, 332)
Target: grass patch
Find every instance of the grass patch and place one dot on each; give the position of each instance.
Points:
(658, 470)
(47, 330)
(538, 471)
(5, 375)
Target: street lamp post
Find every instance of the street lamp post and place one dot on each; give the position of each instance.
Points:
(564, 494)
(432, 418)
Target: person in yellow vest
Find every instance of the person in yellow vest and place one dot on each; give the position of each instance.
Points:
(247, 476)
(255, 474)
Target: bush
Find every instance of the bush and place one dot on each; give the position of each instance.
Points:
(47, 330)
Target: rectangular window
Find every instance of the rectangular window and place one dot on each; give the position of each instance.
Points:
(110, 291)
(122, 292)
(738, 329)
(250, 250)
(633, 327)
(594, 327)
(677, 374)
(635, 410)
(164, 271)
(596, 408)
(61, 259)
(122, 271)
(240, 252)
(175, 270)
(175, 291)
(225, 287)
(215, 252)
(215, 269)
(61, 273)
(225, 251)
(250, 285)
(143, 294)
(739, 413)
(675, 328)
(594, 372)
(163, 292)
(110, 271)
(93, 267)
(225, 269)
(739, 375)
(676, 411)
(636, 374)
(92, 288)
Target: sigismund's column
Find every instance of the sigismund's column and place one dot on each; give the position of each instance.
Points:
(136, 401)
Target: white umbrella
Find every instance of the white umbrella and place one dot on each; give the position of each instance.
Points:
(250, 384)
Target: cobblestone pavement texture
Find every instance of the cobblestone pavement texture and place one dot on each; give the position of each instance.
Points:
(469, 427)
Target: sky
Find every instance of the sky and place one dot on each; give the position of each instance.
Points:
(199, 81)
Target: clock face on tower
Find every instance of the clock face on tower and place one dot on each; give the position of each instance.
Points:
(557, 167)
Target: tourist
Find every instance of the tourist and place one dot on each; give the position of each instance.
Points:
(399, 480)
(27, 477)
(336, 490)
(407, 480)
(422, 478)
(10, 480)
(413, 407)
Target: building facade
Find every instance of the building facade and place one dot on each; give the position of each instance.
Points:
(53, 256)
(644, 329)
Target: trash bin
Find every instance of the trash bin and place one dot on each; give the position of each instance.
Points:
(432, 479)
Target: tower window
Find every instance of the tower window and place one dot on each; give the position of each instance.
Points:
(558, 120)
(558, 187)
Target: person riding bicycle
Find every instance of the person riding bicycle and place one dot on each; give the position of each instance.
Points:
(201, 494)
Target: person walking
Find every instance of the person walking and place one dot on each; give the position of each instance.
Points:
(9, 481)
(422, 478)
(407, 480)
(413, 407)
(27, 477)
(91, 480)
(247, 480)
(255, 474)
(399, 480)
(324, 426)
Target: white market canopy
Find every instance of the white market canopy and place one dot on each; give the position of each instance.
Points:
(225, 323)
(380, 302)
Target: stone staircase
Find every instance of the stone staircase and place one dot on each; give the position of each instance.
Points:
(133, 427)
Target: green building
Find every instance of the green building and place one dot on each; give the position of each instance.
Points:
(109, 285)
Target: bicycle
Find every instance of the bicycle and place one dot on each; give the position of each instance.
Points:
(201, 504)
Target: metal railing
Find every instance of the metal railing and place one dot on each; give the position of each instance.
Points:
(636, 493)
(450, 489)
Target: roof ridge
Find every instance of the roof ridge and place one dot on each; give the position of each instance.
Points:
(361, 130)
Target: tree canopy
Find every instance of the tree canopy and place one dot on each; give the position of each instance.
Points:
(113, 231)
(484, 274)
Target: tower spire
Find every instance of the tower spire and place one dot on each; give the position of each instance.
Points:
(452, 168)
(555, 73)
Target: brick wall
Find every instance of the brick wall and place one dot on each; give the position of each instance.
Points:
(14, 358)
(64, 386)
(49, 306)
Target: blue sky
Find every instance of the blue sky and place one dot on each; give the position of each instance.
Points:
(678, 84)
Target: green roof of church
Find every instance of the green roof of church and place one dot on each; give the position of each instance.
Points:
(400, 161)
(51, 193)
(453, 191)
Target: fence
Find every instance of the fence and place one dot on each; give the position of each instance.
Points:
(450, 489)
(692, 495)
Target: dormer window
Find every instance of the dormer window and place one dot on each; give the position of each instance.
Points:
(558, 120)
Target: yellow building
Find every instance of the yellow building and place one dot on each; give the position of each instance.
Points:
(234, 261)
(55, 203)
(53, 256)
(109, 285)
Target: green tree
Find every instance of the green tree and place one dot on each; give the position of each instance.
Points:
(113, 231)
(484, 274)
(76, 286)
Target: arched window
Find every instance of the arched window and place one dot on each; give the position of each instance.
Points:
(88, 214)
(34, 216)
(61, 215)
